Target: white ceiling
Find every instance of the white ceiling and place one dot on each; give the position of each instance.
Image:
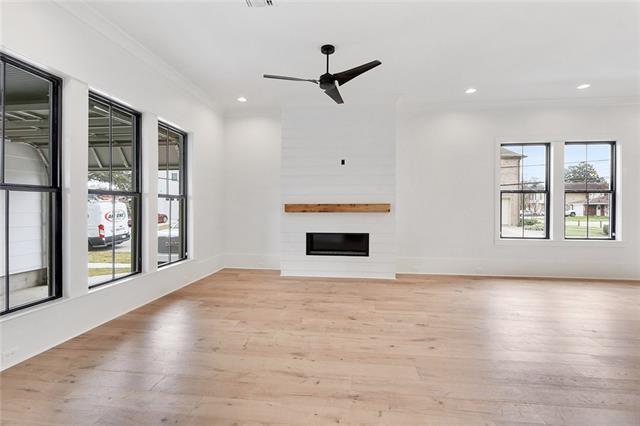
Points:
(431, 51)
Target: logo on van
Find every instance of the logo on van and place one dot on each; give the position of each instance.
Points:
(120, 215)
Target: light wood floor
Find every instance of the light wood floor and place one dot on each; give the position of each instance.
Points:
(251, 347)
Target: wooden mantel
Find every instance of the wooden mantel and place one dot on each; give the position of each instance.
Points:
(338, 208)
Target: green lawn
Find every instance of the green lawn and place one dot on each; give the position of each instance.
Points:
(94, 272)
(104, 256)
(584, 218)
(576, 226)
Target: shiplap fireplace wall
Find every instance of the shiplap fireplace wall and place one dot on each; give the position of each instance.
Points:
(315, 140)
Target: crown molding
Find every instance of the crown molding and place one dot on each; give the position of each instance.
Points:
(91, 17)
(521, 103)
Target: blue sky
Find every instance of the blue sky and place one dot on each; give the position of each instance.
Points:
(599, 156)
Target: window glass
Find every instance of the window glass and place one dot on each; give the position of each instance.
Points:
(122, 160)
(27, 135)
(599, 167)
(174, 163)
(534, 167)
(511, 216)
(175, 233)
(164, 230)
(28, 247)
(99, 151)
(125, 253)
(510, 171)
(163, 186)
(534, 215)
(598, 212)
(101, 229)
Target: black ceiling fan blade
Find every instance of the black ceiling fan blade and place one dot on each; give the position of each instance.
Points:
(344, 76)
(282, 77)
(334, 94)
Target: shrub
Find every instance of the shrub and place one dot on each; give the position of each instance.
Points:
(605, 229)
(528, 222)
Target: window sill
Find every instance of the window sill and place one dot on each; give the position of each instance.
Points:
(174, 263)
(117, 281)
(560, 243)
(46, 304)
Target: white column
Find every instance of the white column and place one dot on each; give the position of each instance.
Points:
(190, 218)
(149, 152)
(75, 140)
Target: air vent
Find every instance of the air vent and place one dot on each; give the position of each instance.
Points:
(259, 3)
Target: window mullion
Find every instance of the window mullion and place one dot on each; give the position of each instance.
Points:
(6, 251)
(2, 133)
(520, 213)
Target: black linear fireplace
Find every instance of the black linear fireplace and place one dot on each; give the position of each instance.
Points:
(337, 244)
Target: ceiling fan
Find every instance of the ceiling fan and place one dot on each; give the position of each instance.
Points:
(327, 81)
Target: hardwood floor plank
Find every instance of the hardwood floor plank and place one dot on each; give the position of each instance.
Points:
(251, 347)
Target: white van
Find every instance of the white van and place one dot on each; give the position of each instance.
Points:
(103, 229)
(169, 244)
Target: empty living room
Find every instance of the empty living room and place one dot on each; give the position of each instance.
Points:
(313, 212)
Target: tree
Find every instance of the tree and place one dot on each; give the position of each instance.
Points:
(121, 180)
(582, 172)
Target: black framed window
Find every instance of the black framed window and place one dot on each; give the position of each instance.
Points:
(590, 190)
(114, 197)
(30, 195)
(524, 191)
(172, 194)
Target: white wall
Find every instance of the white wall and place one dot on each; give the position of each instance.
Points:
(447, 190)
(96, 55)
(24, 165)
(314, 140)
(252, 189)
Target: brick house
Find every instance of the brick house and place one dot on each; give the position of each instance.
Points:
(596, 205)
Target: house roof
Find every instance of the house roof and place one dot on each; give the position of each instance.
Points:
(578, 186)
(507, 153)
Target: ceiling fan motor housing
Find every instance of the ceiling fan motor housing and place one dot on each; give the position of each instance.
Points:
(327, 81)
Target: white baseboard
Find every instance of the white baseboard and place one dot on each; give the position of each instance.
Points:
(522, 268)
(556, 268)
(375, 276)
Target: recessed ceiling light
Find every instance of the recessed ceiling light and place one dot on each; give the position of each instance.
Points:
(470, 90)
(583, 86)
(242, 99)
